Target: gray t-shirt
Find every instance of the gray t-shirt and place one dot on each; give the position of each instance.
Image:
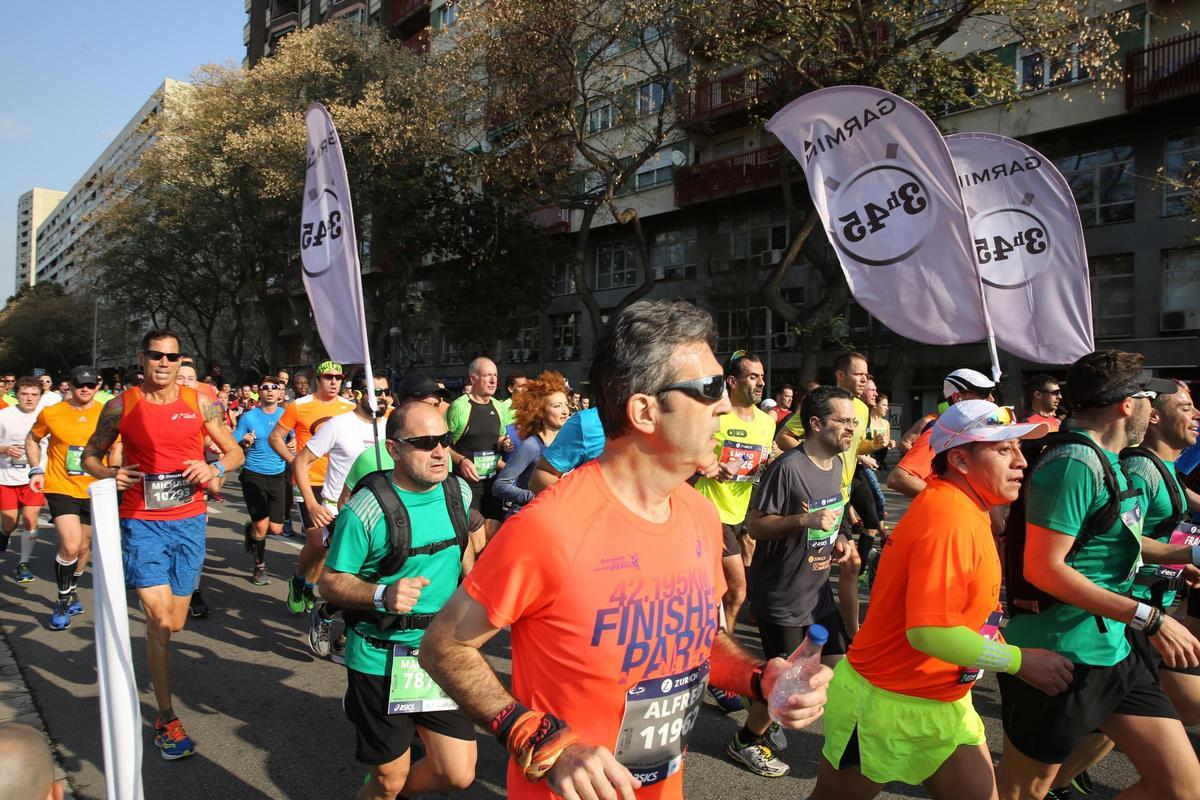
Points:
(789, 578)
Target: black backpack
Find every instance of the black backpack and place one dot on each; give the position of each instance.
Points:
(1169, 483)
(1023, 596)
(400, 534)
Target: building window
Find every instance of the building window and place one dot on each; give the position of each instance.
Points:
(564, 337)
(673, 254)
(1038, 72)
(1181, 169)
(563, 281)
(616, 265)
(1102, 182)
(1112, 295)
(445, 16)
(451, 353)
(741, 326)
(527, 342)
(601, 116)
(651, 97)
(1181, 279)
(657, 170)
(750, 241)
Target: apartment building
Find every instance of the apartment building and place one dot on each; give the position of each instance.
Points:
(409, 21)
(32, 209)
(61, 236)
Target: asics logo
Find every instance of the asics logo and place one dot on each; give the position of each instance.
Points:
(183, 415)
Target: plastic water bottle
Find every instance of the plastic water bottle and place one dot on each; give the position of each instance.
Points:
(804, 665)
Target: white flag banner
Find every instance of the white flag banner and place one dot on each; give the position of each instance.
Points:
(884, 185)
(1029, 247)
(329, 249)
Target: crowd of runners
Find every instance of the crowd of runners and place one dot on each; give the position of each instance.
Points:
(619, 538)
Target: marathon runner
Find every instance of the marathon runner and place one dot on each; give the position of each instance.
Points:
(540, 411)
(27, 765)
(339, 440)
(580, 440)
(299, 388)
(477, 421)
(801, 531)
(303, 417)
(900, 703)
(19, 502)
(69, 425)
(162, 427)
(1042, 400)
(49, 396)
(601, 704)
(1082, 544)
(850, 372)
(742, 449)
(264, 485)
(389, 698)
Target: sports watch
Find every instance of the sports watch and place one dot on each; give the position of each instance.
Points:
(380, 589)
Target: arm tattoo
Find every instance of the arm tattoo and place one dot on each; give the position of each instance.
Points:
(210, 411)
(106, 430)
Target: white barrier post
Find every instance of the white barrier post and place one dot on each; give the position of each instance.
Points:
(120, 711)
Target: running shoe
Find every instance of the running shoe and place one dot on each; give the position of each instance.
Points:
(1061, 793)
(776, 737)
(295, 597)
(338, 655)
(171, 741)
(259, 578)
(197, 607)
(310, 600)
(60, 617)
(758, 758)
(1082, 783)
(318, 634)
(217, 498)
(24, 573)
(728, 702)
(74, 606)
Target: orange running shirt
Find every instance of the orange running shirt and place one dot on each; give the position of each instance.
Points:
(303, 416)
(918, 461)
(611, 615)
(69, 429)
(1053, 423)
(939, 569)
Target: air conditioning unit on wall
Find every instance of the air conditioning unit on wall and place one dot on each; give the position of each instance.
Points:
(785, 340)
(1188, 320)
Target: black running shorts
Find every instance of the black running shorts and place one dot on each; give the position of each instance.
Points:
(731, 544)
(782, 640)
(382, 738)
(305, 518)
(62, 505)
(1047, 729)
(264, 495)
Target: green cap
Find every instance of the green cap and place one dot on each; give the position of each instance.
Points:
(330, 367)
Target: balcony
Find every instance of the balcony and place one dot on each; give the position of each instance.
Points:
(724, 177)
(552, 219)
(403, 9)
(1166, 70)
(710, 100)
(419, 44)
(283, 23)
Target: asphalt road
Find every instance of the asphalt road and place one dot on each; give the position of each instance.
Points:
(266, 714)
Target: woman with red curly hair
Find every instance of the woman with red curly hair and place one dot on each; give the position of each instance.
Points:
(541, 410)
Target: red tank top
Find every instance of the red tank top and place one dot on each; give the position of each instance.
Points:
(158, 439)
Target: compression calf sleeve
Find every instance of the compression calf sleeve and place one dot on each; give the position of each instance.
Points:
(260, 550)
(28, 540)
(966, 648)
(64, 572)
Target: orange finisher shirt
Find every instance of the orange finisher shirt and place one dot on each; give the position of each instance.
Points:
(918, 461)
(613, 619)
(303, 416)
(939, 569)
(69, 429)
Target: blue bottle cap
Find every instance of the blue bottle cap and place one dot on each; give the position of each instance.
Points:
(818, 634)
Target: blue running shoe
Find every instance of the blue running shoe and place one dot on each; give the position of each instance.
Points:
(726, 701)
(60, 617)
(74, 607)
(24, 573)
(171, 741)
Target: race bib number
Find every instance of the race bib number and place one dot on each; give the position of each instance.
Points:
(1184, 535)
(659, 715)
(410, 689)
(165, 490)
(820, 543)
(486, 463)
(989, 631)
(747, 460)
(75, 460)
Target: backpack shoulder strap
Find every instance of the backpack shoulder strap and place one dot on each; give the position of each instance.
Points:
(1169, 484)
(1104, 518)
(452, 489)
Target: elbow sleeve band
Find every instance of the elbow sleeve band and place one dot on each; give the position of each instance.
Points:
(999, 657)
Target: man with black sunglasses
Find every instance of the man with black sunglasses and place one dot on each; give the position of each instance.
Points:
(612, 582)
(264, 484)
(1045, 395)
(162, 426)
(340, 440)
(389, 698)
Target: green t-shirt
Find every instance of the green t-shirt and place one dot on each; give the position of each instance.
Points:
(360, 542)
(366, 463)
(745, 446)
(1065, 489)
(1144, 476)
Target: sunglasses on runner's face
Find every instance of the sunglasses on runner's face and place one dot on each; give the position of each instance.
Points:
(332, 376)
(268, 387)
(428, 443)
(84, 385)
(158, 355)
(706, 390)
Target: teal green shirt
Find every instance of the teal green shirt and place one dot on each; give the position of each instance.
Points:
(1065, 489)
(367, 462)
(1145, 476)
(360, 542)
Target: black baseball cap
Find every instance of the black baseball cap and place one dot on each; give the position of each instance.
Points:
(81, 375)
(1143, 382)
(416, 386)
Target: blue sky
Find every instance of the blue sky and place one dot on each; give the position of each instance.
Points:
(75, 72)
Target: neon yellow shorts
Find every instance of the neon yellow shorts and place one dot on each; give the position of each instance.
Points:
(900, 738)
